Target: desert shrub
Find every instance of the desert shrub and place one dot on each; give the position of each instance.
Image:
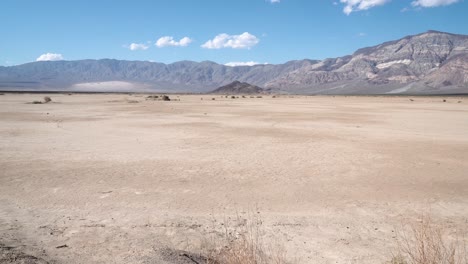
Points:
(233, 97)
(427, 244)
(213, 98)
(243, 96)
(37, 102)
(259, 96)
(47, 99)
(241, 242)
(444, 100)
(165, 98)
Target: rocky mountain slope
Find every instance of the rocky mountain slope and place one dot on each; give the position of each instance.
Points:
(237, 87)
(431, 62)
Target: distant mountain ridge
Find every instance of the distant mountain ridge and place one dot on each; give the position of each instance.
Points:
(429, 63)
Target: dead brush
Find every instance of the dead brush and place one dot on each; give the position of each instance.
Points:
(426, 243)
(241, 242)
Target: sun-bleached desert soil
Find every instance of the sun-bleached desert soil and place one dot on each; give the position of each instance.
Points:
(114, 178)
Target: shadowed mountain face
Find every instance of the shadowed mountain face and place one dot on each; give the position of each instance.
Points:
(237, 87)
(429, 63)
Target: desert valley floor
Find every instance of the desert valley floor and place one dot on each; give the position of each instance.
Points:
(115, 178)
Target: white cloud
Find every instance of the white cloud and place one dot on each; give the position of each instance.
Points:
(274, 1)
(50, 57)
(246, 63)
(359, 5)
(138, 46)
(433, 3)
(168, 41)
(242, 41)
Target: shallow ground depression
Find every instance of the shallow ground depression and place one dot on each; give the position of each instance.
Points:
(117, 178)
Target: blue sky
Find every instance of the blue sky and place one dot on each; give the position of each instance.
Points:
(224, 31)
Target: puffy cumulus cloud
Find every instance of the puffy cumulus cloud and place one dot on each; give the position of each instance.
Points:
(242, 41)
(246, 63)
(168, 41)
(138, 46)
(433, 3)
(50, 57)
(274, 1)
(359, 5)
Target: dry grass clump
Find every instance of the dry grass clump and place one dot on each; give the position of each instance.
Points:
(46, 100)
(427, 244)
(241, 242)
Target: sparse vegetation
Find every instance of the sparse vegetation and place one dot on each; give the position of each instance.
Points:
(241, 242)
(46, 100)
(427, 244)
(157, 97)
(233, 97)
(259, 96)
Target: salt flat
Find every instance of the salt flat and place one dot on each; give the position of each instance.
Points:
(116, 178)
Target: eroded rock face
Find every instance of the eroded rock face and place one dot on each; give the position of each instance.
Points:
(425, 63)
(428, 59)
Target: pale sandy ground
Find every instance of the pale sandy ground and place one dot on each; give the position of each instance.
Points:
(333, 177)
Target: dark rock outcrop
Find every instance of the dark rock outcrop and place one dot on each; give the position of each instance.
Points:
(237, 87)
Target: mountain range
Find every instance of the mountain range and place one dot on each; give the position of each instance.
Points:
(428, 63)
